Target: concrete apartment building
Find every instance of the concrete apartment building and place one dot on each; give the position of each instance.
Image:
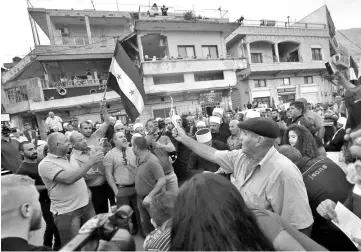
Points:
(286, 60)
(185, 59)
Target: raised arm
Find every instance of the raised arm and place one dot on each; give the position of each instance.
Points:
(104, 126)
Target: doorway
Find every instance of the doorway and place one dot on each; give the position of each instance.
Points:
(207, 108)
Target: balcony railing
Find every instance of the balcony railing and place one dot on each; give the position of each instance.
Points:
(81, 40)
(72, 83)
(275, 23)
(146, 12)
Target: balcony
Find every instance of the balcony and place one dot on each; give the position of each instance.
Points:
(73, 83)
(208, 15)
(82, 41)
(192, 65)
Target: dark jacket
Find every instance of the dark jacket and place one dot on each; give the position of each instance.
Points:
(336, 143)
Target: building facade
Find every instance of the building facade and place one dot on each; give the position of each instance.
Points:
(286, 60)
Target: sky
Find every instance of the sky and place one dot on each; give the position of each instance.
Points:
(17, 40)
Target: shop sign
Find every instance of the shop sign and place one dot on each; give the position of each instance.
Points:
(286, 90)
(210, 97)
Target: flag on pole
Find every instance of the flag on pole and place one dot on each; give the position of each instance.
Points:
(124, 79)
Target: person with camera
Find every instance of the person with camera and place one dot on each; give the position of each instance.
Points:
(161, 146)
(120, 168)
(68, 192)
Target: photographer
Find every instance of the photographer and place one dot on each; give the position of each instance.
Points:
(161, 146)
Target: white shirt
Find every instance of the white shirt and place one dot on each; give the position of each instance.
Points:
(56, 121)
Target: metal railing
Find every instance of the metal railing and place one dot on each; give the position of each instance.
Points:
(146, 11)
(81, 40)
(286, 24)
(72, 83)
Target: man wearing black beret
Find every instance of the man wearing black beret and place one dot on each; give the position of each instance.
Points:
(265, 178)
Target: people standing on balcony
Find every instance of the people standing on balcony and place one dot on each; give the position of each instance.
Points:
(86, 128)
(154, 11)
(164, 10)
(53, 121)
(10, 155)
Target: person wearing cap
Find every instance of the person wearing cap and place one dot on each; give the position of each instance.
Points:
(265, 178)
(161, 146)
(234, 142)
(86, 128)
(224, 127)
(337, 140)
(214, 126)
(10, 155)
(201, 125)
(139, 128)
(198, 164)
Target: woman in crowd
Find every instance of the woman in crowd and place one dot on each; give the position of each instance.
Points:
(210, 214)
(310, 124)
(301, 138)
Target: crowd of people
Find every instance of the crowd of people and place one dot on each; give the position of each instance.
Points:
(251, 179)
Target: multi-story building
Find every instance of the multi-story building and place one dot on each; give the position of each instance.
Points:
(67, 76)
(180, 55)
(187, 60)
(286, 60)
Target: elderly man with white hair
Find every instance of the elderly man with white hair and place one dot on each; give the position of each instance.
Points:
(53, 121)
(139, 128)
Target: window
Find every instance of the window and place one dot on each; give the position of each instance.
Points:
(186, 51)
(18, 94)
(316, 54)
(256, 58)
(259, 83)
(210, 51)
(168, 79)
(208, 76)
(287, 98)
(286, 81)
(308, 79)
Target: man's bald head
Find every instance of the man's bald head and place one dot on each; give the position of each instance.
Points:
(233, 128)
(20, 202)
(74, 136)
(58, 144)
(290, 152)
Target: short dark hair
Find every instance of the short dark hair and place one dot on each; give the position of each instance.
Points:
(21, 145)
(298, 105)
(84, 122)
(141, 143)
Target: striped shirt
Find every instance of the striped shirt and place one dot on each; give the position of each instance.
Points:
(160, 243)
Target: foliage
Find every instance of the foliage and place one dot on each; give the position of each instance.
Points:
(134, 15)
(189, 15)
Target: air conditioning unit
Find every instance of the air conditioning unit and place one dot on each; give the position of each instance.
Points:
(336, 58)
(64, 31)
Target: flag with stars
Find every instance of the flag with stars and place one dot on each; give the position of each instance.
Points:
(124, 79)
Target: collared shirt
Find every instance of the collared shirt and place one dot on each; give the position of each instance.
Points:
(275, 184)
(10, 155)
(65, 198)
(52, 122)
(234, 142)
(149, 171)
(123, 175)
(96, 174)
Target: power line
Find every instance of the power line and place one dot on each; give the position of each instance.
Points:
(348, 39)
(92, 4)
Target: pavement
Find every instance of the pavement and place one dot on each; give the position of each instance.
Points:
(36, 238)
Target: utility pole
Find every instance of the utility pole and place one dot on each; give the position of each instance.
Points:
(33, 26)
(288, 17)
